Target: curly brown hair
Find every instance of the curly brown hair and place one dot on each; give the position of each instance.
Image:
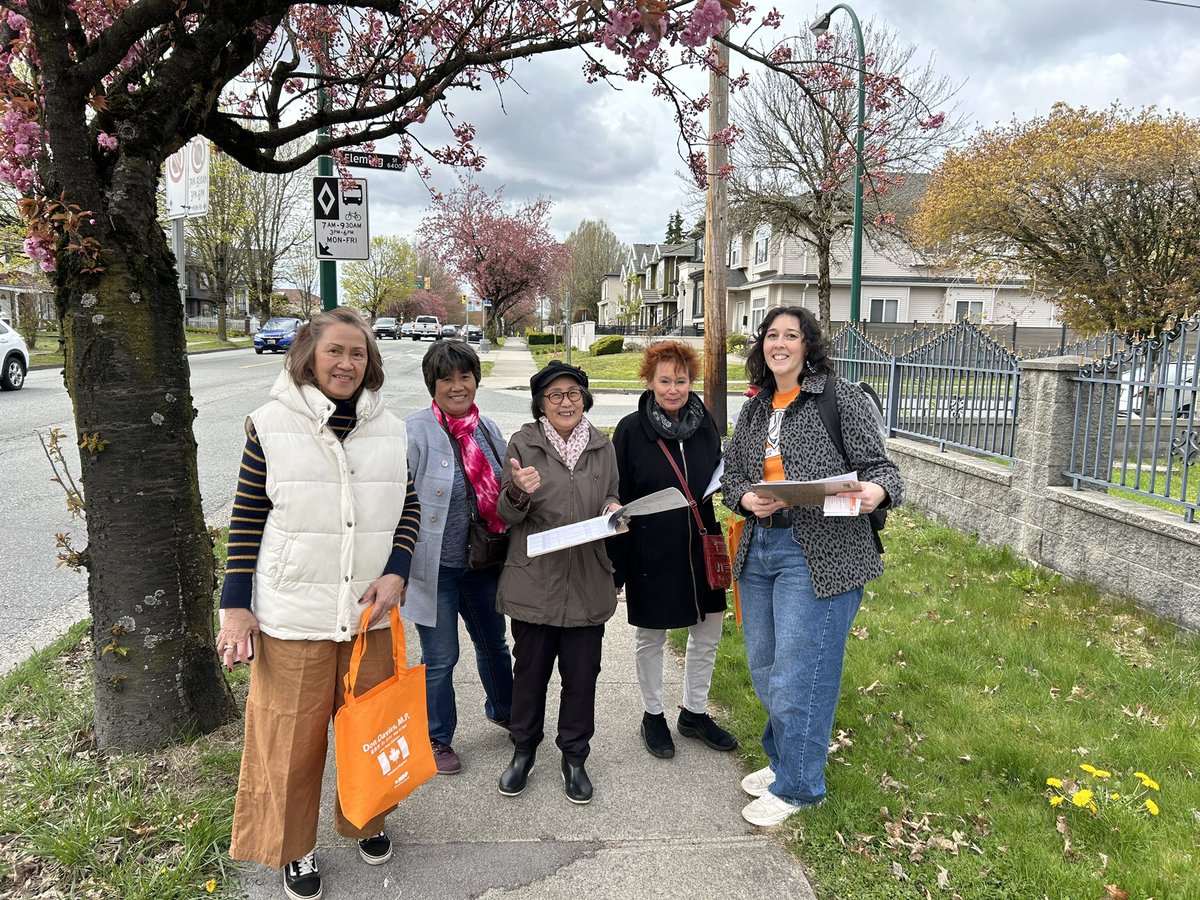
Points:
(676, 353)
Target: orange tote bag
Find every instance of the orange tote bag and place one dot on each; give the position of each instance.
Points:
(733, 537)
(381, 738)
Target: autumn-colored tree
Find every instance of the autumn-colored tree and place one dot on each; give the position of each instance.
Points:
(388, 276)
(794, 165)
(1101, 208)
(509, 258)
(595, 251)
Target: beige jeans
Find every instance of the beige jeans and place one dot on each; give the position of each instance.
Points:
(295, 689)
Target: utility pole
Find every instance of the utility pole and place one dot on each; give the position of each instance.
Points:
(567, 326)
(716, 244)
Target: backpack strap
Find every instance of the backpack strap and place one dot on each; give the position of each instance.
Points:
(831, 418)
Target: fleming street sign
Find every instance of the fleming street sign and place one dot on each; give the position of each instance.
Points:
(340, 218)
(360, 160)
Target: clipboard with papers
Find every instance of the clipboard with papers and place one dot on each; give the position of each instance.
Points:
(604, 526)
(820, 492)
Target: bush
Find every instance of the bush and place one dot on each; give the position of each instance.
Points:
(539, 337)
(736, 343)
(608, 345)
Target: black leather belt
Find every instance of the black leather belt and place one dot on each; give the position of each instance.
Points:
(779, 519)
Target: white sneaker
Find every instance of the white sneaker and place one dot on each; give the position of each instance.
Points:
(768, 810)
(756, 783)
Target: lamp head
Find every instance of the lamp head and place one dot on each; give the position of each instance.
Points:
(821, 26)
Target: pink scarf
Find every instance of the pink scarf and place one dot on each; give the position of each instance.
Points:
(477, 468)
(572, 448)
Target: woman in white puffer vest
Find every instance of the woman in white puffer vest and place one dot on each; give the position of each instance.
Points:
(323, 526)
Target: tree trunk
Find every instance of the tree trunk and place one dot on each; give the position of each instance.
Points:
(222, 318)
(824, 285)
(151, 572)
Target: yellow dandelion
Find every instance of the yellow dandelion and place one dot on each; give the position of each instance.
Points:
(210, 885)
(1147, 781)
(1153, 807)
(1082, 798)
(1056, 800)
(1101, 773)
(1054, 782)
(1116, 796)
(1089, 768)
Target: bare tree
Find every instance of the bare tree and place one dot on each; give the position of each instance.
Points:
(300, 268)
(595, 251)
(388, 277)
(280, 225)
(793, 167)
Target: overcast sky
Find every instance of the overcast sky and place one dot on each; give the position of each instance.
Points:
(612, 155)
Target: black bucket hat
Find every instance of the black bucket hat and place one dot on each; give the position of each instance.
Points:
(552, 370)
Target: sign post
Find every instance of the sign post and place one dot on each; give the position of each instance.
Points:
(187, 195)
(340, 228)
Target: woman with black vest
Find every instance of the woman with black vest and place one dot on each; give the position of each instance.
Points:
(323, 526)
(671, 441)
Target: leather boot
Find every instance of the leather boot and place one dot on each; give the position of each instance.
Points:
(579, 786)
(512, 779)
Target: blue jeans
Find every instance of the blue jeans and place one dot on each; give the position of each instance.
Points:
(470, 593)
(795, 643)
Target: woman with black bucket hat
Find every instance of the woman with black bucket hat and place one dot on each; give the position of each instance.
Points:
(559, 470)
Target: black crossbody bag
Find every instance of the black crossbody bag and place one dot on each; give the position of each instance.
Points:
(485, 548)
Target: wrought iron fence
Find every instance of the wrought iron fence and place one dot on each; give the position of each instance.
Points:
(1136, 423)
(959, 388)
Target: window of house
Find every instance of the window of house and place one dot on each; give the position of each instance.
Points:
(758, 309)
(735, 254)
(698, 300)
(761, 242)
(968, 309)
(884, 309)
(698, 250)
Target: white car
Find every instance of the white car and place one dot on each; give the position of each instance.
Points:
(16, 358)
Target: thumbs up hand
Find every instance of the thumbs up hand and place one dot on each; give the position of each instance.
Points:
(525, 478)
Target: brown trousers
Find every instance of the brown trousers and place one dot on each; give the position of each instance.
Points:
(295, 689)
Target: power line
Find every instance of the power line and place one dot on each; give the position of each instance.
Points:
(1174, 3)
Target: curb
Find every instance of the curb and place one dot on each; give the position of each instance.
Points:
(57, 365)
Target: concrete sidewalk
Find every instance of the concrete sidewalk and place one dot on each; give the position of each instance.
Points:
(513, 368)
(656, 827)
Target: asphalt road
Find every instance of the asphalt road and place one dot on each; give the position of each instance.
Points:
(40, 601)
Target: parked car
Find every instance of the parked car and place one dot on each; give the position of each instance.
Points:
(16, 359)
(472, 333)
(406, 329)
(1169, 387)
(449, 331)
(276, 335)
(386, 327)
(427, 326)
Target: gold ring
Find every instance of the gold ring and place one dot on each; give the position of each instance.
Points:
(228, 647)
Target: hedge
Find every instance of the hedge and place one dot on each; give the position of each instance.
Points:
(608, 345)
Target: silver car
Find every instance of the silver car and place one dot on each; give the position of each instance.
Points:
(16, 358)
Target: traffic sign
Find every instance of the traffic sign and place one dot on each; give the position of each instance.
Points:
(474, 304)
(360, 160)
(187, 179)
(340, 218)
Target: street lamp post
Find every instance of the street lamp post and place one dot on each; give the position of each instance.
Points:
(819, 28)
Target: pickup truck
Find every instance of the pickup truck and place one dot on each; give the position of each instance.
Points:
(427, 326)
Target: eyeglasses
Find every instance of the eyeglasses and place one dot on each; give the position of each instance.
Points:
(556, 397)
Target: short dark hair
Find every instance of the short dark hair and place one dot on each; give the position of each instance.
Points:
(300, 356)
(816, 347)
(445, 358)
(539, 408)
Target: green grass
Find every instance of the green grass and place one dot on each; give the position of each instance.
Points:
(47, 355)
(970, 679)
(79, 823)
(1141, 480)
(485, 368)
(619, 370)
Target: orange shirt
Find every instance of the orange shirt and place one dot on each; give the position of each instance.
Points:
(772, 458)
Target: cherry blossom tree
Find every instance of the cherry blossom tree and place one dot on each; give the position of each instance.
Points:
(509, 258)
(96, 94)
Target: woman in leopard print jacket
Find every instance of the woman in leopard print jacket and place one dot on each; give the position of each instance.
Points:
(800, 574)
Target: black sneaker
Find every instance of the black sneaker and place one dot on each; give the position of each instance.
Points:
(377, 850)
(657, 736)
(301, 880)
(701, 725)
